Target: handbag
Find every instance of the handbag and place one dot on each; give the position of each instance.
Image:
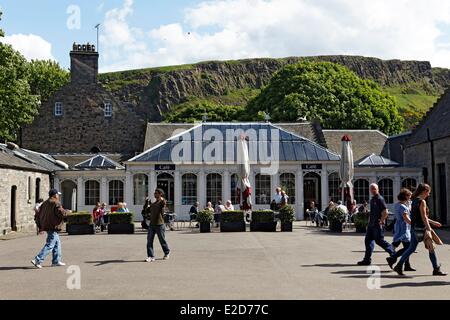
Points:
(144, 224)
(419, 233)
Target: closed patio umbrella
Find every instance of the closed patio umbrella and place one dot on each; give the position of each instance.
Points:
(347, 170)
(243, 162)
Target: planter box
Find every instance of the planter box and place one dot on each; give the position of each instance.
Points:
(121, 229)
(80, 229)
(336, 227)
(263, 226)
(360, 229)
(286, 226)
(233, 226)
(205, 227)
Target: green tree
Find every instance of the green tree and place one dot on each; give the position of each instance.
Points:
(18, 105)
(194, 111)
(46, 77)
(330, 93)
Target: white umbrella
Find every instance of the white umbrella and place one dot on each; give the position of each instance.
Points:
(243, 162)
(347, 167)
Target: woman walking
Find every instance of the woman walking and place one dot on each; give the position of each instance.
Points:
(421, 230)
(402, 228)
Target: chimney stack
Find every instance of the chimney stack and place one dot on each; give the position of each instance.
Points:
(84, 64)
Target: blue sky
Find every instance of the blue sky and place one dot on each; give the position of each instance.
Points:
(142, 33)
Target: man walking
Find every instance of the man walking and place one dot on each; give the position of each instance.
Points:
(155, 220)
(50, 218)
(375, 229)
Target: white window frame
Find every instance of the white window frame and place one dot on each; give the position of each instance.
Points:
(116, 192)
(58, 110)
(189, 189)
(263, 188)
(288, 181)
(214, 187)
(108, 110)
(140, 191)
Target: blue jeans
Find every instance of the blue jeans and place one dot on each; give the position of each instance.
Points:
(412, 248)
(53, 245)
(375, 234)
(160, 231)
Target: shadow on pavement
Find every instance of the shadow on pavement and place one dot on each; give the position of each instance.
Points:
(335, 265)
(415, 285)
(105, 262)
(16, 268)
(357, 272)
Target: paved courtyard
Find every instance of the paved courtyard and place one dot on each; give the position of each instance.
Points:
(305, 264)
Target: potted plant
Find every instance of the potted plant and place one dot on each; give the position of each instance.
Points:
(337, 217)
(80, 223)
(205, 218)
(121, 223)
(287, 217)
(232, 221)
(361, 220)
(264, 221)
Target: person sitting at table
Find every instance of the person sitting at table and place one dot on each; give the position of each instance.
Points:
(229, 206)
(121, 208)
(218, 211)
(209, 207)
(312, 211)
(193, 212)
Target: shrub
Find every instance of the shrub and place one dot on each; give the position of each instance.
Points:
(205, 216)
(80, 218)
(361, 220)
(232, 216)
(121, 218)
(337, 215)
(287, 214)
(263, 216)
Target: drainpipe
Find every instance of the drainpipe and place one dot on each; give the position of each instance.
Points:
(430, 141)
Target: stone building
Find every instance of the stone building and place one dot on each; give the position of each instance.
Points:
(83, 116)
(428, 147)
(25, 177)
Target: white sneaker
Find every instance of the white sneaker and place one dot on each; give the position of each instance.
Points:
(150, 259)
(166, 257)
(36, 264)
(59, 264)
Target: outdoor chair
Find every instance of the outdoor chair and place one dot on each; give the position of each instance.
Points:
(192, 219)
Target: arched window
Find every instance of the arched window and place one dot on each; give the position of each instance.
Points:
(91, 192)
(287, 183)
(235, 199)
(213, 188)
(262, 189)
(334, 187)
(410, 184)
(361, 190)
(387, 190)
(115, 192)
(140, 188)
(189, 189)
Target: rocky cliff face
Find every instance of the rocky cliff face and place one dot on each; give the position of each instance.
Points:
(153, 92)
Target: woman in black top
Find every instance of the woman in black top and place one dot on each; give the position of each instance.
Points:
(420, 229)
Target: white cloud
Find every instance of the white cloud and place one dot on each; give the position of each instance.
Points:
(233, 29)
(30, 46)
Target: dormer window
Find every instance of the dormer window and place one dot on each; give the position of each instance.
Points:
(58, 109)
(108, 110)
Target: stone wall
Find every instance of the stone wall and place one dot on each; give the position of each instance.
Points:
(83, 124)
(24, 205)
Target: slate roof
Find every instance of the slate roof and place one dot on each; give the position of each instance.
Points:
(291, 146)
(23, 159)
(72, 159)
(436, 120)
(364, 142)
(374, 160)
(99, 162)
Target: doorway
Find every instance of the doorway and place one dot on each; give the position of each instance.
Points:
(69, 195)
(442, 184)
(312, 189)
(166, 182)
(13, 221)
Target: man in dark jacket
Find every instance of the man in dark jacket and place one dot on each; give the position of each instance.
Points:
(50, 218)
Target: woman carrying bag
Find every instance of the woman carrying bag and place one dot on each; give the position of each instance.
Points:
(421, 231)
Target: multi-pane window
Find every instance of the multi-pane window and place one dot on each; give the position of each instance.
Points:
(58, 109)
(115, 192)
(361, 190)
(387, 190)
(108, 110)
(410, 184)
(334, 187)
(262, 189)
(91, 192)
(287, 183)
(234, 186)
(140, 188)
(214, 188)
(189, 189)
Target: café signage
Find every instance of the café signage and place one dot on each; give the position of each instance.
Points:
(312, 166)
(165, 167)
